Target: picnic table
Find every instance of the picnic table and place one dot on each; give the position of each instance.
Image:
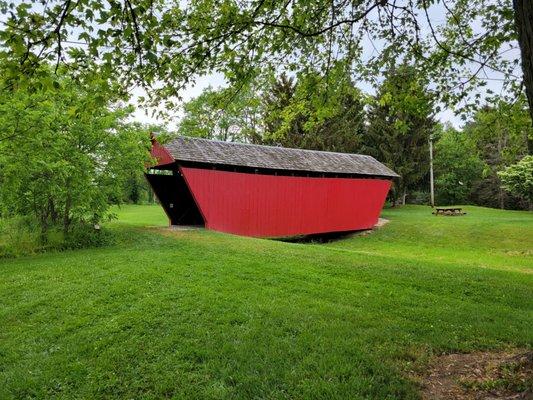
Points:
(449, 211)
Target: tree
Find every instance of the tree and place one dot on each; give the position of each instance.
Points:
(312, 113)
(279, 128)
(166, 45)
(457, 166)
(65, 153)
(400, 123)
(202, 117)
(518, 179)
(305, 113)
(523, 15)
(221, 115)
(501, 131)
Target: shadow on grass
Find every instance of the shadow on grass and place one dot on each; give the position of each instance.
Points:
(323, 237)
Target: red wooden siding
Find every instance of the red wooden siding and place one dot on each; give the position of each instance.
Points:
(276, 206)
(161, 154)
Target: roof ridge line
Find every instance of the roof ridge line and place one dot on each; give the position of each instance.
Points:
(202, 150)
(267, 145)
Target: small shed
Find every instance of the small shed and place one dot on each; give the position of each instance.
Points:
(267, 191)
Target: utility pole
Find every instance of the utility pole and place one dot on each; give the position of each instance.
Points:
(431, 184)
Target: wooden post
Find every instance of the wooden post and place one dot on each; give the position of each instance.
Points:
(431, 184)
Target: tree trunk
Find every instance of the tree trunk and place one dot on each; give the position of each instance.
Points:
(44, 228)
(52, 210)
(501, 195)
(523, 13)
(66, 215)
(501, 146)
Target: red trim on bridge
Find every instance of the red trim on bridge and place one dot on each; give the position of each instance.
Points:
(161, 154)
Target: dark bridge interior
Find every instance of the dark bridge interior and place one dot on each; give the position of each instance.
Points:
(176, 199)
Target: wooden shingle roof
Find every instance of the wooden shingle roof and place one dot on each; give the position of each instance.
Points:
(275, 158)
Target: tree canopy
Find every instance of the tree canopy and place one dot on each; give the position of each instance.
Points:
(66, 153)
(458, 166)
(221, 115)
(164, 46)
(400, 124)
(501, 131)
(309, 113)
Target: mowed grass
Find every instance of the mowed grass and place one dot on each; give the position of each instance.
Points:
(204, 315)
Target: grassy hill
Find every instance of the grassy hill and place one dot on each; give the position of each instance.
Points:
(198, 314)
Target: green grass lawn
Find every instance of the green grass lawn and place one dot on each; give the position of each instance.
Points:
(204, 315)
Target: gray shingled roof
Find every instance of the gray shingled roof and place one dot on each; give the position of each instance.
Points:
(270, 157)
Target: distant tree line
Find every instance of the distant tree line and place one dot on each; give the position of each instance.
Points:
(470, 164)
(394, 125)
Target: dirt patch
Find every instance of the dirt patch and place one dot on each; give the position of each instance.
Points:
(520, 253)
(381, 222)
(481, 375)
(172, 232)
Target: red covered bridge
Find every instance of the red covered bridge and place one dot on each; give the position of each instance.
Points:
(267, 191)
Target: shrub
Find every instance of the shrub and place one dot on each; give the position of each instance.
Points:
(20, 236)
(85, 235)
(418, 197)
(518, 179)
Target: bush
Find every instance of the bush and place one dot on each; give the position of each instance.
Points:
(517, 179)
(85, 235)
(20, 236)
(418, 197)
